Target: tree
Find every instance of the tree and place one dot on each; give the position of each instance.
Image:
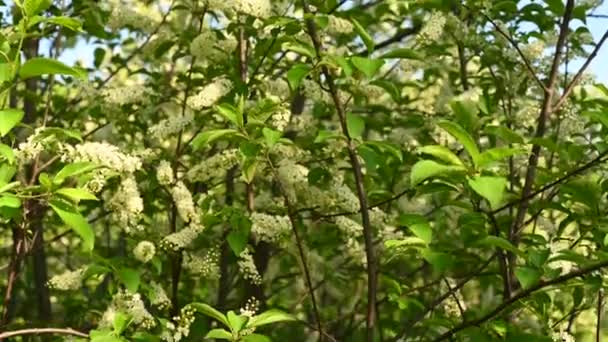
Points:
(302, 170)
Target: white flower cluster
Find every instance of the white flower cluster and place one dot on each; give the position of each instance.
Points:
(289, 151)
(68, 280)
(181, 239)
(184, 321)
(280, 118)
(133, 305)
(164, 173)
(305, 124)
(247, 267)
(118, 96)
(158, 296)
(168, 127)
(534, 50)
(432, 30)
(185, 204)
(206, 266)
(255, 8)
(294, 180)
(124, 15)
(127, 205)
(210, 94)
(351, 231)
(32, 147)
(313, 91)
(269, 228)
(206, 46)
(251, 308)
(103, 154)
(337, 25)
(276, 88)
(144, 251)
(214, 166)
(563, 336)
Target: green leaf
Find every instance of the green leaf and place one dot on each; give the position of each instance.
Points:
(231, 113)
(403, 53)
(237, 240)
(269, 317)
(527, 276)
(33, 7)
(205, 138)
(209, 311)
(505, 134)
(73, 169)
(419, 225)
(7, 172)
(368, 66)
(10, 201)
(410, 241)
(441, 152)
(439, 260)
(121, 322)
(76, 194)
(465, 112)
(355, 125)
(39, 66)
(236, 322)
(495, 241)
(8, 186)
(219, 334)
(296, 74)
(130, 278)
(249, 168)
(493, 155)
(256, 338)
(367, 39)
(7, 152)
(462, 136)
(9, 118)
(490, 188)
(70, 216)
(271, 136)
(426, 169)
(67, 22)
(300, 47)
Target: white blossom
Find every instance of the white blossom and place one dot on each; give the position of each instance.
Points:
(210, 94)
(214, 166)
(103, 154)
(255, 8)
(171, 126)
(126, 205)
(247, 267)
(144, 251)
(251, 308)
(117, 96)
(158, 296)
(68, 280)
(164, 173)
(181, 239)
(133, 305)
(206, 266)
(184, 203)
(269, 228)
(337, 25)
(123, 15)
(432, 29)
(280, 118)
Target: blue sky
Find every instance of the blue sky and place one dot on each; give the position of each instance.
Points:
(597, 26)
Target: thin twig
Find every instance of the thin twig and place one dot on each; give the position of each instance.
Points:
(600, 306)
(39, 331)
(519, 296)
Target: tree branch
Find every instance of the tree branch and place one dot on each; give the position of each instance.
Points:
(39, 331)
(522, 295)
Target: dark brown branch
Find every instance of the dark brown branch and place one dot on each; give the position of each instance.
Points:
(580, 73)
(600, 307)
(522, 295)
(370, 252)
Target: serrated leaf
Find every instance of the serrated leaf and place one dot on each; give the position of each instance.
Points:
(205, 138)
(490, 188)
(463, 138)
(269, 317)
(296, 74)
(368, 66)
(71, 217)
(527, 276)
(39, 66)
(367, 39)
(403, 53)
(209, 311)
(9, 118)
(271, 136)
(426, 169)
(441, 152)
(231, 113)
(130, 278)
(7, 152)
(73, 169)
(76, 194)
(33, 7)
(355, 125)
(418, 225)
(495, 241)
(219, 334)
